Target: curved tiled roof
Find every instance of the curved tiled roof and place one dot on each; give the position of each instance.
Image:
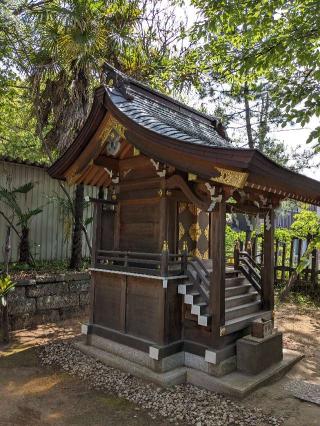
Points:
(166, 121)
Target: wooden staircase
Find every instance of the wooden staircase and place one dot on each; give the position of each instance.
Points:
(242, 298)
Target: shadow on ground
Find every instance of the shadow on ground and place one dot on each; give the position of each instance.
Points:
(33, 395)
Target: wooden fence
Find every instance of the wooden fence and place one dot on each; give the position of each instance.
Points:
(50, 231)
(286, 258)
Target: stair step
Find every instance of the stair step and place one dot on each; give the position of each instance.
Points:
(204, 320)
(185, 288)
(246, 309)
(241, 299)
(199, 308)
(192, 298)
(230, 273)
(237, 290)
(242, 322)
(233, 281)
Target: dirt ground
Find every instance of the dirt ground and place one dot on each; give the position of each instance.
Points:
(301, 328)
(33, 395)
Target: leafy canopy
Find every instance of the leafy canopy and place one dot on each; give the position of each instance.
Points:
(275, 42)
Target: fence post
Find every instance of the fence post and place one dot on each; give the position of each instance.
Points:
(284, 250)
(291, 257)
(276, 260)
(314, 263)
(299, 255)
(254, 248)
(249, 248)
(236, 253)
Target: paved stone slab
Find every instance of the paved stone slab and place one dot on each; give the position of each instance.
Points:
(304, 390)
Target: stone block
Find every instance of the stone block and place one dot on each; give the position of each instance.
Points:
(46, 316)
(79, 286)
(23, 306)
(47, 289)
(77, 276)
(255, 355)
(50, 278)
(70, 312)
(84, 298)
(25, 283)
(17, 296)
(18, 322)
(58, 301)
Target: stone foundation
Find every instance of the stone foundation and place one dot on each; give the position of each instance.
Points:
(48, 298)
(184, 367)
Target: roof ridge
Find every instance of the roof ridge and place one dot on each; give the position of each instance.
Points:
(120, 80)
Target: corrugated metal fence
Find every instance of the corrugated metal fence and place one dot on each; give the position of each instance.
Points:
(51, 230)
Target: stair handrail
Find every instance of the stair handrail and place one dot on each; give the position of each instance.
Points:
(251, 259)
(201, 280)
(250, 269)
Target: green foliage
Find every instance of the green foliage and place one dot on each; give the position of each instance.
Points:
(9, 198)
(66, 212)
(306, 225)
(17, 126)
(231, 238)
(6, 286)
(266, 42)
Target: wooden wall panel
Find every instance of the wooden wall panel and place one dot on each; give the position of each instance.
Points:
(145, 309)
(109, 300)
(173, 313)
(139, 226)
(107, 229)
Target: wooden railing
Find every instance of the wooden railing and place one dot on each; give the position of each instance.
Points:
(199, 276)
(250, 269)
(163, 264)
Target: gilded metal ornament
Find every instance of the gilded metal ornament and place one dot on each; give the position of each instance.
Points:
(231, 177)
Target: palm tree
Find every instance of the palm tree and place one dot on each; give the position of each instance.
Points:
(67, 44)
(9, 198)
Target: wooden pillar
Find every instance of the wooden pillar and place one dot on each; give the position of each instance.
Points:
(267, 295)
(96, 233)
(217, 284)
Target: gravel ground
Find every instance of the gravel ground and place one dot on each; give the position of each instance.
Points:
(182, 404)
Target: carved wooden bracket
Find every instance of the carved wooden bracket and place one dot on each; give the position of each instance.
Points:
(177, 182)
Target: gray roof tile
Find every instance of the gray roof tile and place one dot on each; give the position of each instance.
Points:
(162, 119)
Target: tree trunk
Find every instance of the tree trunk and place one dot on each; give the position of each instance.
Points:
(24, 246)
(248, 120)
(76, 250)
(4, 333)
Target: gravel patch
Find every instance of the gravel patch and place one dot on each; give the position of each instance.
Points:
(183, 404)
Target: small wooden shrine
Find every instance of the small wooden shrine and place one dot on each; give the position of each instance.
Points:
(160, 282)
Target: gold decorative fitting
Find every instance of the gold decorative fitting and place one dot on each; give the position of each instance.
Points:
(136, 151)
(168, 192)
(231, 177)
(182, 207)
(195, 231)
(114, 195)
(112, 128)
(160, 192)
(192, 177)
(222, 331)
(185, 246)
(181, 231)
(165, 246)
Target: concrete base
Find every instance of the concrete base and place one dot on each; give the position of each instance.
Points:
(184, 367)
(255, 355)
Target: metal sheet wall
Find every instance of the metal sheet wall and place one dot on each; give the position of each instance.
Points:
(50, 231)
